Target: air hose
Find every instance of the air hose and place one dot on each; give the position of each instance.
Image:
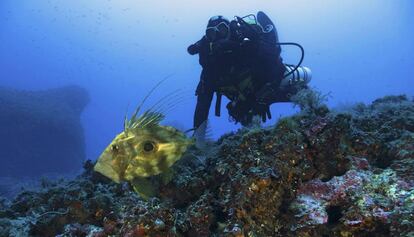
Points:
(242, 21)
(301, 58)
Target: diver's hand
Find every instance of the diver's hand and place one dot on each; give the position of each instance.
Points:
(263, 110)
(263, 101)
(194, 48)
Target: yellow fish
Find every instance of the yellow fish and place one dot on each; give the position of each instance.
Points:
(145, 148)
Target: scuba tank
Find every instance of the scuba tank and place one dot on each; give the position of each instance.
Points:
(300, 76)
(294, 78)
(295, 75)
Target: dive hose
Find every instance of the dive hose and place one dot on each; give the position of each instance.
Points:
(301, 58)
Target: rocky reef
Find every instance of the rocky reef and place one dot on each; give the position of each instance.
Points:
(39, 128)
(321, 172)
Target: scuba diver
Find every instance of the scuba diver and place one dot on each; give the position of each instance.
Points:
(241, 60)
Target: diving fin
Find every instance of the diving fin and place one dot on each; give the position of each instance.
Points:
(268, 27)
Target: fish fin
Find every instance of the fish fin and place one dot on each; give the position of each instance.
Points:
(147, 119)
(167, 176)
(130, 123)
(148, 95)
(144, 187)
(209, 132)
(126, 121)
(202, 134)
(168, 102)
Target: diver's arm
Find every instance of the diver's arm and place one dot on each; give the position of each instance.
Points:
(195, 48)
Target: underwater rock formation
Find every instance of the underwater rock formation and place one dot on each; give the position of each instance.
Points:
(317, 173)
(40, 131)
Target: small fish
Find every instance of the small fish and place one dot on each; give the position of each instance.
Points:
(145, 148)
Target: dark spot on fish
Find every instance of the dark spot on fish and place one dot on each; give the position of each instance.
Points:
(163, 164)
(148, 167)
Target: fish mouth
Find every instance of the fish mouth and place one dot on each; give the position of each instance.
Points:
(106, 170)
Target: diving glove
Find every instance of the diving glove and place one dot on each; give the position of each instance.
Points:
(263, 110)
(194, 48)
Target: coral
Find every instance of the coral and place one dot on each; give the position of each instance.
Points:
(311, 102)
(317, 173)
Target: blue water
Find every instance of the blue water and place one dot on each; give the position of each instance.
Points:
(118, 49)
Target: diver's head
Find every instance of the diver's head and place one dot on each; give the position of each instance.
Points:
(217, 28)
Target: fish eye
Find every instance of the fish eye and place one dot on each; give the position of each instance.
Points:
(114, 148)
(148, 146)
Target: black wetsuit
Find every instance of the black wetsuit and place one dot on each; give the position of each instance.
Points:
(217, 59)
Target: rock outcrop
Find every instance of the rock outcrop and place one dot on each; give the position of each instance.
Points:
(41, 132)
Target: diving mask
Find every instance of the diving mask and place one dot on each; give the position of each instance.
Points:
(250, 19)
(220, 31)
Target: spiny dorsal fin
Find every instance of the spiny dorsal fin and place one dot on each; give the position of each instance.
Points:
(149, 117)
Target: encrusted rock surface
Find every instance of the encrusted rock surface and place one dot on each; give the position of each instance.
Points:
(317, 173)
